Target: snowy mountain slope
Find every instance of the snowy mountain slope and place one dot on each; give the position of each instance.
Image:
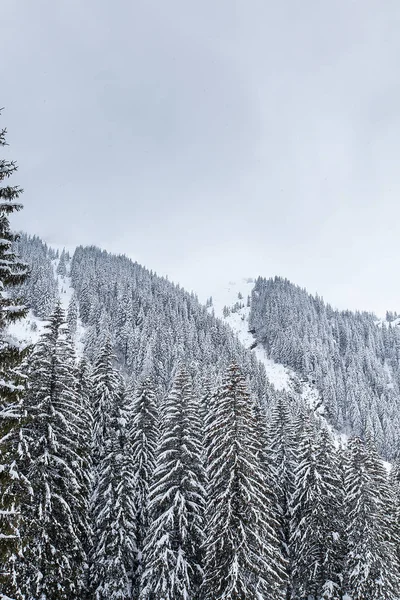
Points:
(66, 292)
(237, 292)
(231, 304)
(28, 330)
(225, 306)
(345, 366)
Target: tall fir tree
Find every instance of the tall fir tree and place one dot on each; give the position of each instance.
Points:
(282, 462)
(173, 545)
(62, 267)
(144, 437)
(315, 508)
(72, 316)
(106, 383)
(54, 520)
(395, 487)
(243, 555)
(12, 486)
(113, 513)
(85, 448)
(371, 568)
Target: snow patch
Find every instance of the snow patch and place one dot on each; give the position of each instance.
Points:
(230, 303)
(28, 330)
(66, 291)
(231, 297)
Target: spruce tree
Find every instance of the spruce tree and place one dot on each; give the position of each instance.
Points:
(315, 508)
(144, 437)
(395, 487)
(85, 448)
(243, 557)
(72, 316)
(113, 514)
(173, 545)
(54, 520)
(106, 383)
(282, 460)
(371, 568)
(62, 267)
(12, 486)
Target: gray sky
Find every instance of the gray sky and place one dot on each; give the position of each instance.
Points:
(211, 140)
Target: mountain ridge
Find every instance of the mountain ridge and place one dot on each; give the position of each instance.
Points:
(277, 334)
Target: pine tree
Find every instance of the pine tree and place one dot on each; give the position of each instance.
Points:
(62, 267)
(282, 459)
(72, 316)
(395, 486)
(85, 449)
(316, 502)
(371, 569)
(106, 383)
(173, 546)
(113, 512)
(12, 273)
(54, 519)
(243, 558)
(144, 437)
(40, 288)
(333, 545)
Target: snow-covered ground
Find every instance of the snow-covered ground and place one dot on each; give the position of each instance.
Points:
(65, 291)
(28, 330)
(281, 377)
(386, 323)
(228, 296)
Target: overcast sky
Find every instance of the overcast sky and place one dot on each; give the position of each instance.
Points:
(213, 139)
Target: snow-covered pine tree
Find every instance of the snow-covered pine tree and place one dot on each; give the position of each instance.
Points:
(371, 568)
(54, 520)
(333, 545)
(281, 455)
(12, 273)
(386, 492)
(40, 288)
(173, 545)
(143, 437)
(62, 267)
(243, 555)
(205, 393)
(344, 354)
(315, 509)
(106, 383)
(269, 475)
(395, 487)
(85, 448)
(113, 513)
(72, 315)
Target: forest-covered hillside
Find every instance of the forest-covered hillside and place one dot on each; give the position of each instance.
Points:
(151, 459)
(353, 358)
